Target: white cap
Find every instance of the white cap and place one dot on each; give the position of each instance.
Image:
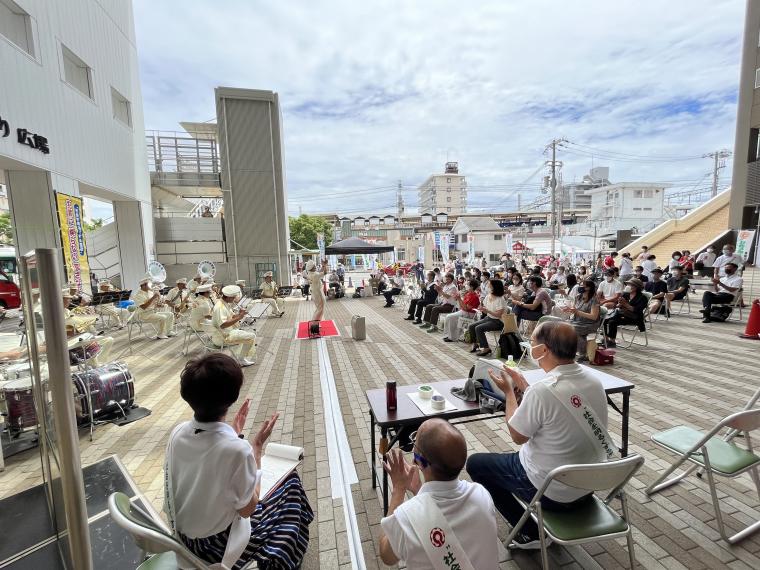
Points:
(240, 282)
(66, 292)
(104, 282)
(310, 265)
(268, 274)
(205, 288)
(182, 280)
(230, 290)
(35, 291)
(144, 280)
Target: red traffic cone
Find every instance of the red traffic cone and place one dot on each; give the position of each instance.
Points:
(753, 322)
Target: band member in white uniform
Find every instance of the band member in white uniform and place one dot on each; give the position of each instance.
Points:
(200, 315)
(147, 302)
(78, 298)
(193, 284)
(76, 325)
(177, 298)
(109, 310)
(269, 294)
(314, 278)
(226, 324)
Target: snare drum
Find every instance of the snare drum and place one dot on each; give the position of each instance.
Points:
(17, 371)
(111, 388)
(19, 400)
(79, 355)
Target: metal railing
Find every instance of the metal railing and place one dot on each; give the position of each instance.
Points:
(175, 152)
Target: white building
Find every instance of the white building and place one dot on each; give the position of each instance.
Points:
(627, 205)
(444, 193)
(487, 234)
(71, 120)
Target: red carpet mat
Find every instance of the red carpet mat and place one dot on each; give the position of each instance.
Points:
(326, 328)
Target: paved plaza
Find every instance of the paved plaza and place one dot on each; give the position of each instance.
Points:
(691, 373)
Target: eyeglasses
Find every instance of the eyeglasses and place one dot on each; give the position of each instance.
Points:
(418, 458)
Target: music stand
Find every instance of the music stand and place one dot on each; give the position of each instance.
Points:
(285, 291)
(109, 298)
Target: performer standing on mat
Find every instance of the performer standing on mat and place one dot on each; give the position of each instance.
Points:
(314, 278)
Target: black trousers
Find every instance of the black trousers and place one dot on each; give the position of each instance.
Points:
(611, 325)
(390, 294)
(433, 310)
(416, 307)
(709, 298)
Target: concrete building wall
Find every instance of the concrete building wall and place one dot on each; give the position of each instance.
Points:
(253, 182)
(443, 193)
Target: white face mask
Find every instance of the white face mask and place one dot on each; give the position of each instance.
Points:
(710, 250)
(726, 252)
(533, 359)
(626, 289)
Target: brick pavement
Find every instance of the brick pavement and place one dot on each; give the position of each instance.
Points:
(691, 373)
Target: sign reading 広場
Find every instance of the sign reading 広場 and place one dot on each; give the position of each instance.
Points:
(25, 137)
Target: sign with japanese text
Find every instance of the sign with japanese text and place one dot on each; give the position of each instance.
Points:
(70, 220)
(25, 137)
(744, 243)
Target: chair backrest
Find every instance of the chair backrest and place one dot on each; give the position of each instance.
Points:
(747, 420)
(738, 298)
(598, 476)
(148, 535)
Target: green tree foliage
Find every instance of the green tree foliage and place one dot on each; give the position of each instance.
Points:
(6, 229)
(92, 225)
(304, 230)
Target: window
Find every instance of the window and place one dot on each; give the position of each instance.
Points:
(649, 193)
(647, 209)
(448, 209)
(448, 180)
(448, 189)
(448, 198)
(637, 194)
(122, 108)
(16, 26)
(76, 72)
(757, 78)
(497, 237)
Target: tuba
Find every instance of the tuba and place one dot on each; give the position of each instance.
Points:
(206, 269)
(156, 272)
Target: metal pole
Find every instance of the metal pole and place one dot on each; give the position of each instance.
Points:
(554, 193)
(72, 486)
(715, 175)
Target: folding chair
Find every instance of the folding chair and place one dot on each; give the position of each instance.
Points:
(716, 456)
(592, 521)
(736, 303)
(134, 321)
(202, 336)
(162, 550)
(685, 299)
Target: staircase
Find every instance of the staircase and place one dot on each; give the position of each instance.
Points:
(701, 227)
(103, 252)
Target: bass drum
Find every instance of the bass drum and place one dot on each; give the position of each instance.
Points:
(19, 401)
(112, 389)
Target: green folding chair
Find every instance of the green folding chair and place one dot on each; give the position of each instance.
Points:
(592, 521)
(715, 456)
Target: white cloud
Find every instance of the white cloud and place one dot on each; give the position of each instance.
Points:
(374, 92)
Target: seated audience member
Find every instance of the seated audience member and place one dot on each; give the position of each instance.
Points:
(725, 287)
(609, 290)
(333, 281)
(493, 307)
(382, 281)
(516, 289)
(545, 428)
(678, 286)
(584, 314)
(704, 262)
(477, 274)
(461, 508)
(572, 283)
(630, 311)
(729, 256)
(609, 261)
(675, 259)
(437, 277)
(485, 286)
(428, 296)
(448, 294)
(658, 288)
(649, 265)
(582, 273)
(536, 302)
(397, 286)
(559, 279)
(638, 273)
(687, 262)
(211, 477)
(467, 305)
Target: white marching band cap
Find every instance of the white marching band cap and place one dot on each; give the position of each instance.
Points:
(182, 280)
(65, 291)
(205, 288)
(230, 290)
(240, 282)
(310, 265)
(104, 282)
(268, 274)
(144, 280)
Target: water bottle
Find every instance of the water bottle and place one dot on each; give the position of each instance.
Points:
(511, 362)
(390, 396)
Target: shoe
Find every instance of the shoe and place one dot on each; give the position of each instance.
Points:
(171, 334)
(447, 339)
(245, 362)
(484, 352)
(162, 337)
(425, 325)
(524, 542)
(386, 305)
(433, 329)
(474, 348)
(417, 322)
(703, 311)
(707, 320)
(611, 344)
(408, 318)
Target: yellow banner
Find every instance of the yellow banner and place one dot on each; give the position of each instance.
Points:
(72, 239)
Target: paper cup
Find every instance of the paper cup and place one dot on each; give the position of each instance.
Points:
(425, 392)
(438, 402)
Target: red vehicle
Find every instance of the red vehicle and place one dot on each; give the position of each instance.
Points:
(391, 269)
(10, 296)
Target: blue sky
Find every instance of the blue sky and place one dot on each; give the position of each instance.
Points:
(377, 92)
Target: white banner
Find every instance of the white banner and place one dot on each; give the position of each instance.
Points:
(744, 243)
(471, 247)
(421, 253)
(509, 243)
(445, 247)
(321, 246)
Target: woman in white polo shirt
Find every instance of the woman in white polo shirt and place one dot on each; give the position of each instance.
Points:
(211, 485)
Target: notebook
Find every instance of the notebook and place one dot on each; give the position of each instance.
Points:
(277, 463)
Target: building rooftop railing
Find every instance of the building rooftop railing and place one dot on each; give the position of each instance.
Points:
(175, 152)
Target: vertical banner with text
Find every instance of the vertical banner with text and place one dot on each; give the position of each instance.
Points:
(70, 220)
(321, 246)
(744, 243)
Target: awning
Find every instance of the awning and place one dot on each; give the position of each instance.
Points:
(356, 245)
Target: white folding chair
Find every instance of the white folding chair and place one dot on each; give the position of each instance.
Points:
(715, 456)
(135, 321)
(736, 303)
(594, 519)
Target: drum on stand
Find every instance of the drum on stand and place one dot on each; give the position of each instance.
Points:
(80, 350)
(112, 389)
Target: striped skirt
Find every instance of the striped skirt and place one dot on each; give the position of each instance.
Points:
(279, 532)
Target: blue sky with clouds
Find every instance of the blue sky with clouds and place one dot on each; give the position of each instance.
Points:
(379, 91)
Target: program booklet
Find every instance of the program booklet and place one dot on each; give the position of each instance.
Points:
(277, 463)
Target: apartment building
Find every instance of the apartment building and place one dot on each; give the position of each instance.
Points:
(444, 193)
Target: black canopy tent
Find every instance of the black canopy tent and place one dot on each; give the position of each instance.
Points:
(356, 245)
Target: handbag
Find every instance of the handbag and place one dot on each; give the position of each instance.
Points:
(510, 323)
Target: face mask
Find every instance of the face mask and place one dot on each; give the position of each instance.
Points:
(710, 250)
(626, 289)
(533, 359)
(726, 252)
(581, 290)
(675, 257)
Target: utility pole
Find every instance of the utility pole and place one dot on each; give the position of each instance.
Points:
(519, 202)
(719, 157)
(553, 184)
(400, 201)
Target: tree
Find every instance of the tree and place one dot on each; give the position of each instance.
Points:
(6, 229)
(304, 230)
(92, 225)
